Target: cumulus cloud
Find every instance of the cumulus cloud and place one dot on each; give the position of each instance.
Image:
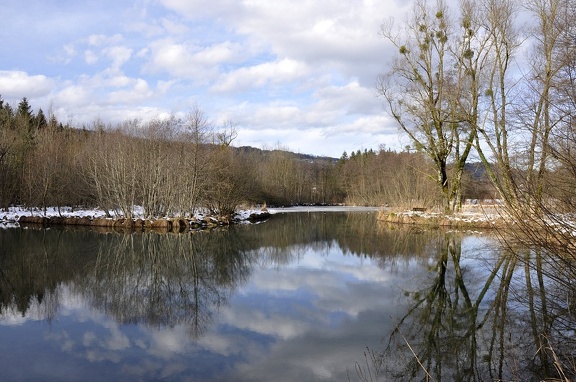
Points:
(182, 59)
(194, 9)
(174, 27)
(271, 67)
(90, 57)
(17, 84)
(324, 32)
(102, 39)
(277, 72)
(137, 92)
(118, 55)
(352, 98)
(73, 95)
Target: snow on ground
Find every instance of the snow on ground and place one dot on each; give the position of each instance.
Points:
(9, 217)
(278, 210)
(472, 214)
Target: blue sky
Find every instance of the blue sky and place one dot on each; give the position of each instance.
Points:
(296, 74)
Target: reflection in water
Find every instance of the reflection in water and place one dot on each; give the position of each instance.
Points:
(295, 298)
(155, 279)
(165, 280)
(513, 319)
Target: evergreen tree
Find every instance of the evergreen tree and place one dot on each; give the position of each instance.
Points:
(24, 116)
(40, 120)
(24, 109)
(6, 115)
(53, 123)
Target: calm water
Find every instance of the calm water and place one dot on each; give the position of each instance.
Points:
(301, 297)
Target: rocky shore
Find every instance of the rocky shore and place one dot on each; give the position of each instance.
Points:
(136, 224)
(430, 219)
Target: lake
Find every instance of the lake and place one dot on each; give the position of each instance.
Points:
(307, 296)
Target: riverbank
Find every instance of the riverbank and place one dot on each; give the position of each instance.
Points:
(98, 218)
(472, 216)
(480, 217)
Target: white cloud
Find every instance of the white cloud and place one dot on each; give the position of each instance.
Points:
(90, 57)
(119, 55)
(18, 84)
(277, 72)
(102, 39)
(331, 31)
(351, 98)
(189, 60)
(370, 125)
(69, 50)
(307, 67)
(138, 91)
(205, 8)
(165, 86)
(73, 95)
(174, 27)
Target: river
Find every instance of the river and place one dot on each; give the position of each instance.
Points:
(313, 295)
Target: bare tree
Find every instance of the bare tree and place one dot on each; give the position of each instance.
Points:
(496, 25)
(422, 89)
(547, 221)
(197, 134)
(113, 171)
(545, 111)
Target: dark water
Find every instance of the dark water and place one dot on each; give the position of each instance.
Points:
(301, 297)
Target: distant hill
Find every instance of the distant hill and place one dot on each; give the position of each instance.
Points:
(264, 153)
(476, 169)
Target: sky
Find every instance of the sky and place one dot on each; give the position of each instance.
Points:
(298, 75)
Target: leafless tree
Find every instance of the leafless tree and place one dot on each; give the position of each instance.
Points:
(422, 91)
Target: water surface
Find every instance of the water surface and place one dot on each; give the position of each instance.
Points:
(301, 297)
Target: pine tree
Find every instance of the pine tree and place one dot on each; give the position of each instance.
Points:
(24, 109)
(6, 115)
(40, 120)
(24, 117)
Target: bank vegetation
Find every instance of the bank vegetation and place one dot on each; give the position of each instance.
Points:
(178, 166)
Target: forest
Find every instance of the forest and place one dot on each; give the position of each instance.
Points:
(176, 166)
(487, 103)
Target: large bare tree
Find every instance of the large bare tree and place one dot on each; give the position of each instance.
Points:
(422, 91)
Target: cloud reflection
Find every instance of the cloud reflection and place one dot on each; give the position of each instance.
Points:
(226, 305)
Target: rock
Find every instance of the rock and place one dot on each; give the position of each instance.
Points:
(81, 221)
(57, 220)
(138, 224)
(40, 220)
(161, 224)
(102, 222)
(178, 225)
(258, 216)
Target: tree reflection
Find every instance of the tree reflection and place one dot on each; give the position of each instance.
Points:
(165, 280)
(441, 324)
(496, 315)
(148, 278)
(171, 279)
(511, 319)
(32, 266)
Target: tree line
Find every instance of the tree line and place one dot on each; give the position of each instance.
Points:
(175, 166)
(493, 79)
(455, 88)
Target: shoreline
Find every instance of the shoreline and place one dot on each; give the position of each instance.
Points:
(461, 220)
(17, 217)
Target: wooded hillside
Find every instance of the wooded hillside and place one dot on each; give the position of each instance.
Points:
(174, 166)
